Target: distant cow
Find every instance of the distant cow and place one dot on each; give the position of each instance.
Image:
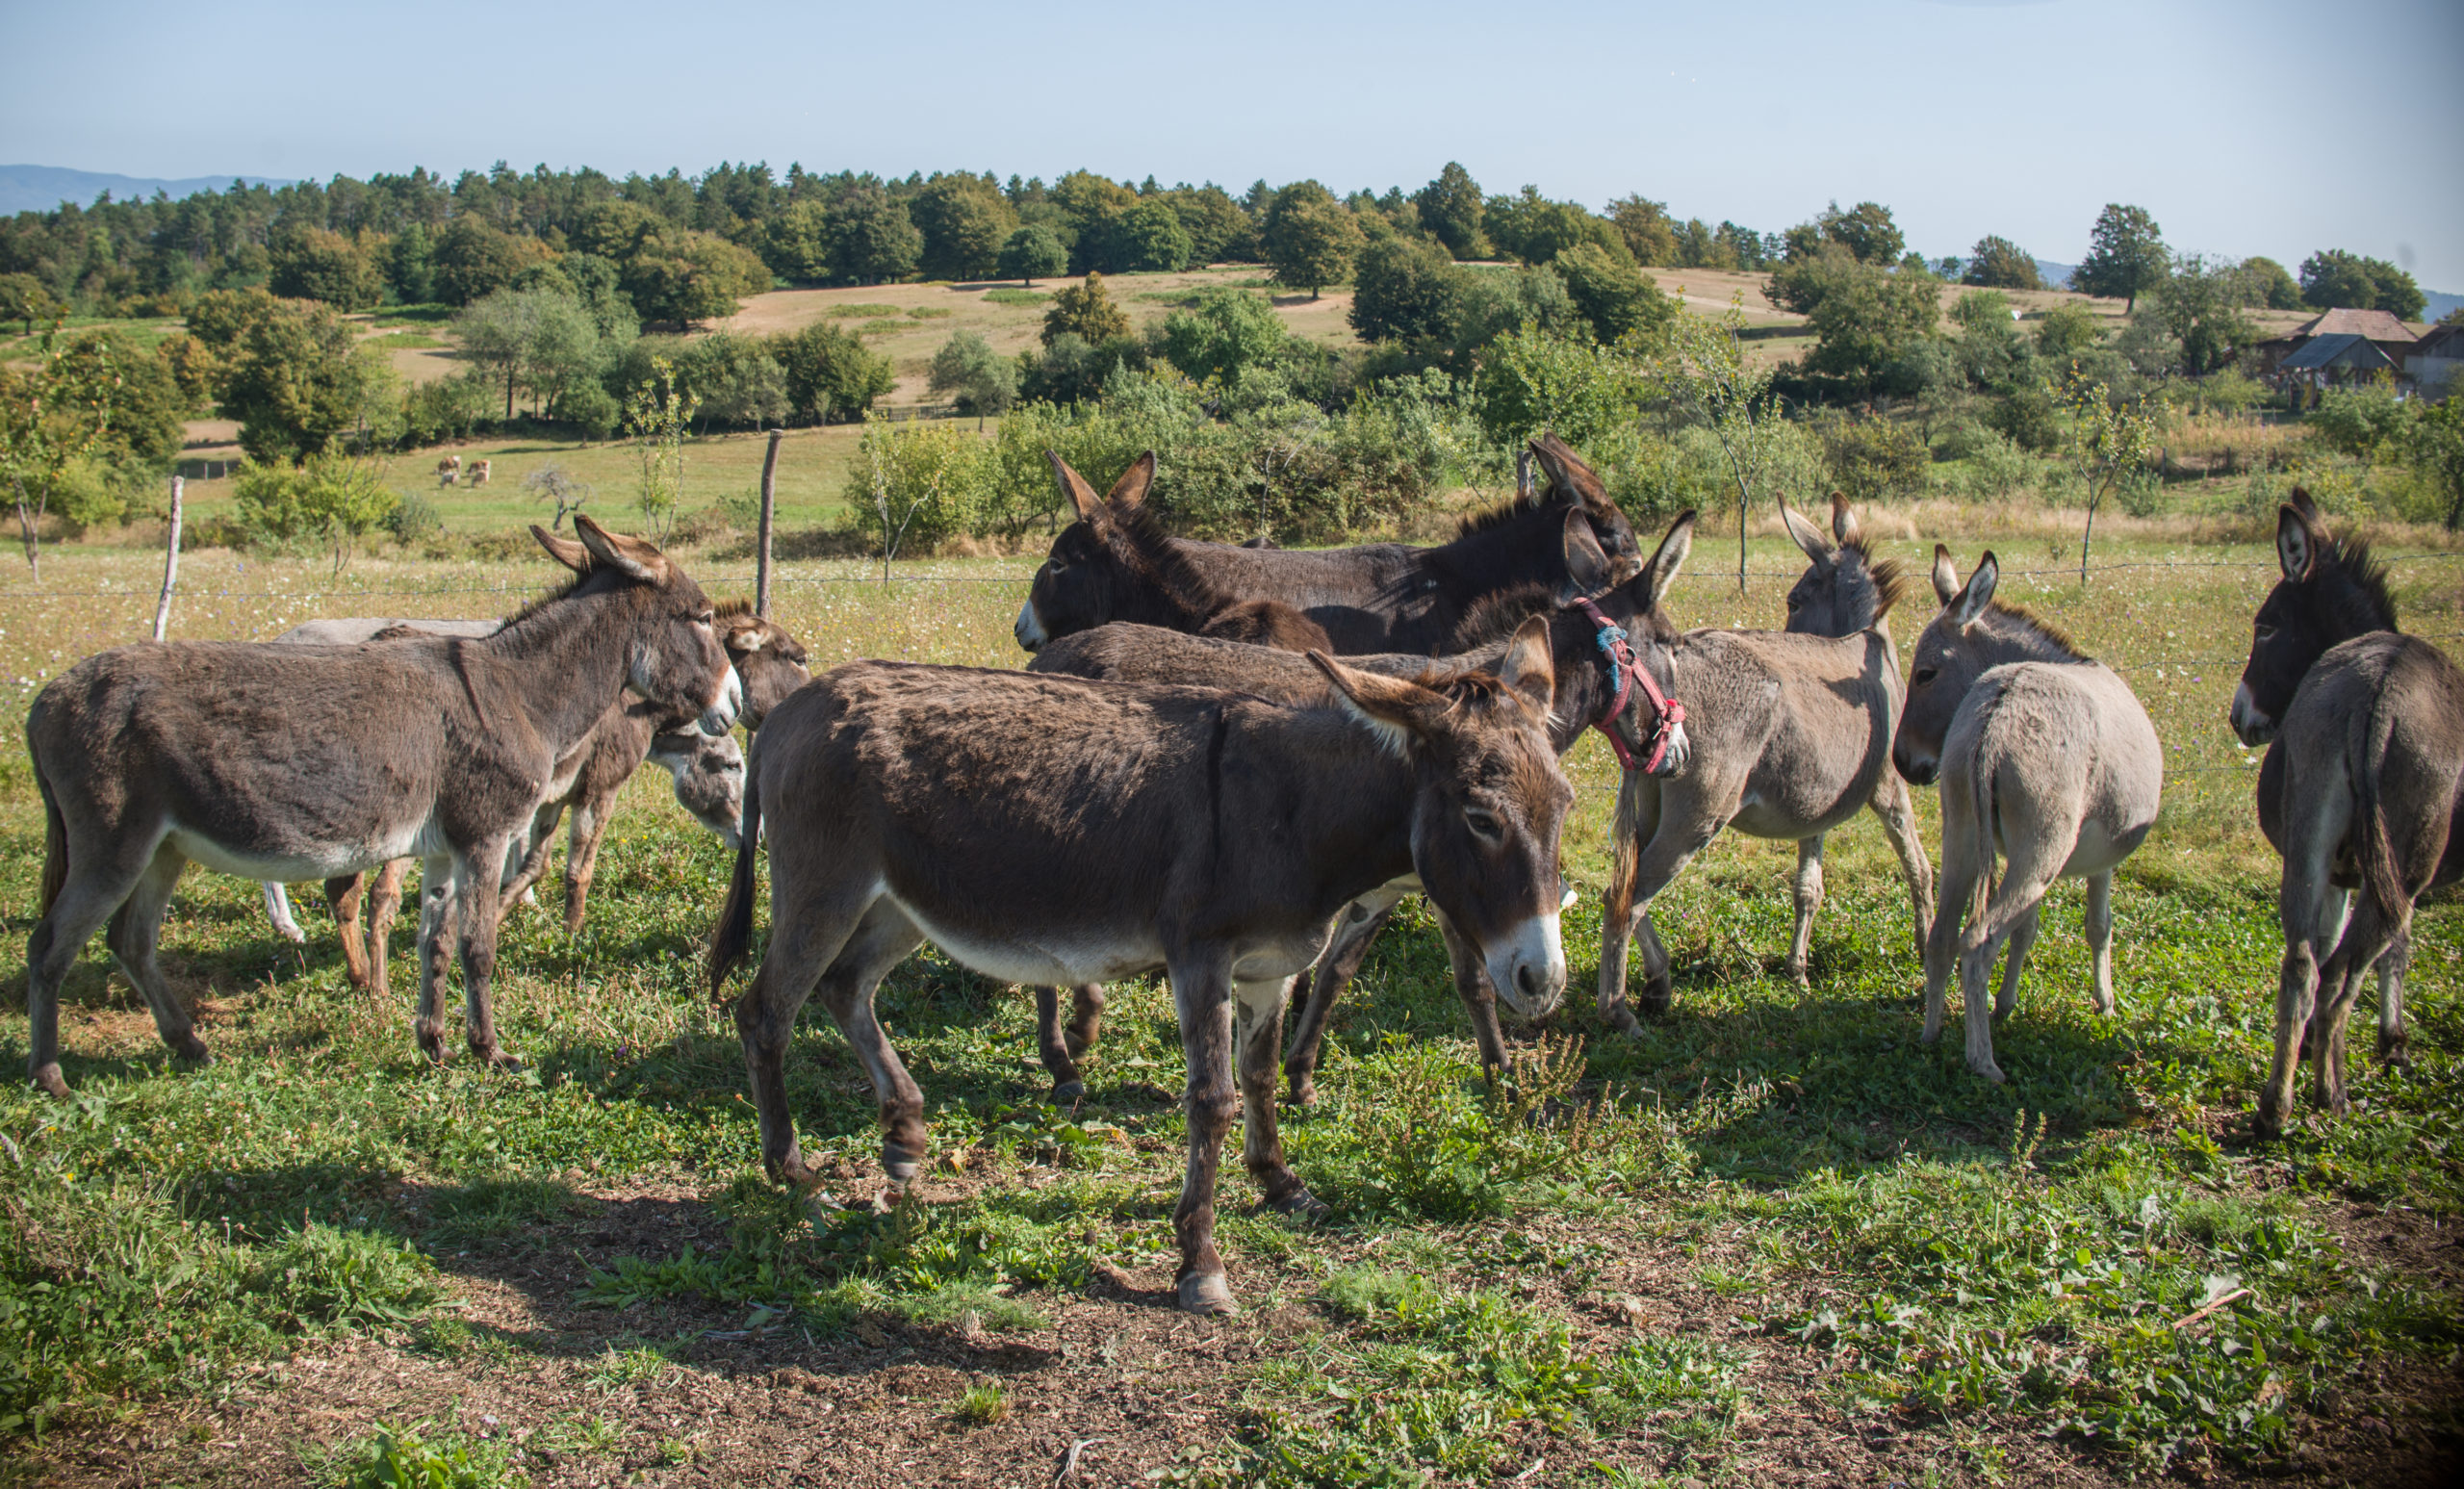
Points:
(479, 473)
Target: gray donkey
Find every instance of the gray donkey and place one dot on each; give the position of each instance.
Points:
(2363, 788)
(309, 762)
(1792, 737)
(2045, 753)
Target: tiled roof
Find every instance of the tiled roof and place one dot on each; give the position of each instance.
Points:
(2376, 324)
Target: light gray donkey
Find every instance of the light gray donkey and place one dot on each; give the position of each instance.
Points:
(315, 761)
(2045, 753)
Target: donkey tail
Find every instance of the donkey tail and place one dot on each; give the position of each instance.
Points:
(1984, 765)
(734, 932)
(55, 845)
(2383, 877)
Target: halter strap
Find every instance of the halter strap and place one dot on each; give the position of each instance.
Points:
(1626, 673)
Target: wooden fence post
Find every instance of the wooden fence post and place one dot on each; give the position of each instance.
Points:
(171, 567)
(769, 504)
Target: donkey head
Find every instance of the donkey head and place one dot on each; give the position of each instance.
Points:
(2330, 593)
(1950, 656)
(770, 663)
(1638, 605)
(1572, 481)
(1083, 580)
(1489, 803)
(673, 661)
(1847, 588)
(709, 779)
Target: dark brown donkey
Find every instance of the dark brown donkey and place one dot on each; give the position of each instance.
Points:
(1586, 696)
(1381, 596)
(309, 762)
(1053, 831)
(2362, 788)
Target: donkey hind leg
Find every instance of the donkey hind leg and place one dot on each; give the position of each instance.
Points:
(1356, 929)
(1890, 804)
(1663, 857)
(1480, 998)
(91, 894)
(136, 931)
(2331, 935)
(1052, 1046)
(1202, 997)
(1807, 885)
(1258, 1043)
(436, 933)
(278, 911)
(881, 939)
(477, 876)
(2101, 938)
(1638, 802)
(2031, 871)
(591, 819)
(342, 894)
(1955, 890)
(2014, 960)
(1085, 1018)
(2368, 936)
(801, 947)
(384, 904)
(2395, 1044)
(2314, 916)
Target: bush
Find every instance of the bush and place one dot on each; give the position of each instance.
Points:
(2358, 421)
(449, 408)
(330, 498)
(913, 488)
(88, 494)
(2027, 418)
(1871, 459)
(829, 375)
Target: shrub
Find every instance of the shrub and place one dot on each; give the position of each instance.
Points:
(1871, 458)
(330, 498)
(829, 375)
(451, 408)
(913, 488)
(2358, 421)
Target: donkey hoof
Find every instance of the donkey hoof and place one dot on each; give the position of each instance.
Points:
(900, 1168)
(1068, 1094)
(190, 1049)
(1622, 1020)
(496, 1058)
(1989, 1072)
(1207, 1293)
(1300, 1202)
(2396, 1052)
(1304, 1091)
(48, 1079)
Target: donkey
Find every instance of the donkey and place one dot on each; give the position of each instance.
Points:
(1588, 694)
(2046, 754)
(1381, 597)
(311, 763)
(1103, 829)
(1791, 735)
(2362, 788)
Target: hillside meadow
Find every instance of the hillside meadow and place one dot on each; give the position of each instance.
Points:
(1773, 1239)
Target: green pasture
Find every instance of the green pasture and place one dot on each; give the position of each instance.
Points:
(1772, 1211)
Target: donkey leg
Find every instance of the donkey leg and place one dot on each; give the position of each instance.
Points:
(1202, 997)
(2367, 937)
(1258, 1041)
(1356, 931)
(1053, 1047)
(1480, 998)
(1664, 858)
(436, 932)
(278, 911)
(136, 931)
(2033, 865)
(581, 855)
(87, 899)
(534, 857)
(881, 940)
(1957, 888)
(475, 893)
(1807, 885)
(2101, 938)
(342, 896)
(1898, 816)
(2331, 935)
(1085, 1018)
(384, 902)
(801, 947)
(2395, 1045)
(2014, 960)
(2314, 914)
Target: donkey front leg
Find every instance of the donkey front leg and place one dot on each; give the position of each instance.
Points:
(278, 911)
(343, 895)
(1683, 830)
(384, 904)
(581, 855)
(1891, 804)
(1258, 1035)
(1202, 997)
(436, 931)
(1480, 998)
(1052, 1046)
(1961, 872)
(1807, 888)
(1356, 931)
(533, 866)
(2101, 938)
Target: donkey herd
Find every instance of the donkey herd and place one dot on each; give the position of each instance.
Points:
(1231, 765)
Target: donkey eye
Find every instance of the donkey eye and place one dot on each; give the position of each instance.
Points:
(1795, 603)
(2266, 633)
(1483, 824)
(1924, 675)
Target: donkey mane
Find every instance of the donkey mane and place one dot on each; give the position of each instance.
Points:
(543, 601)
(1183, 582)
(1890, 579)
(2043, 627)
(1507, 511)
(1496, 616)
(729, 610)
(2358, 593)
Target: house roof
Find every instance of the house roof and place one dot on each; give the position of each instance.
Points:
(2376, 324)
(2324, 351)
(2443, 340)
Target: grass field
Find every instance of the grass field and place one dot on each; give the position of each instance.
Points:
(1789, 1244)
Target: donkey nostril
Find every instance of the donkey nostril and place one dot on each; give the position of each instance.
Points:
(1526, 983)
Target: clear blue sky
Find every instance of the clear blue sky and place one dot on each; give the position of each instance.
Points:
(2258, 126)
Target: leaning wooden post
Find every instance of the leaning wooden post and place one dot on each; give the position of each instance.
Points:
(170, 566)
(769, 503)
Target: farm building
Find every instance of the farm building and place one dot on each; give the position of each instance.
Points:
(2434, 360)
(2393, 339)
(2333, 362)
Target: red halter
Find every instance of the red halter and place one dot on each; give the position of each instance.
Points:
(1626, 672)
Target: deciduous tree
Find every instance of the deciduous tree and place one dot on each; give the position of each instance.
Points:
(1033, 253)
(871, 238)
(347, 273)
(1085, 310)
(964, 219)
(1616, 298)
(1650, 234)
(1228, 334)
(1704, 373)
(2127, 255)
(1404, 290)
(1999, 264)
(1310, 239)
(1452, 208)
(982, 380)
(2332, 277)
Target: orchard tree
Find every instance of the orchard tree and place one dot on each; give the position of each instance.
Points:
(1085, 310)
(1031, 253)
(1311, 239)
(51, 416)
(1704, 373)
(1999, 264)
(2127, 256)
(2108, 440)
(1452, 208)
(981, 380)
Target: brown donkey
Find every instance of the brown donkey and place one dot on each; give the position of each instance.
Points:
(1053, 832)
(309, 763)
(2362, 788)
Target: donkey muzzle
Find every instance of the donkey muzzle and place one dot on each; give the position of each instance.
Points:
(1029, 628)
(1527, 966)
(720, 716)
(1914, 768)
(1677, 748)
(2250, 725)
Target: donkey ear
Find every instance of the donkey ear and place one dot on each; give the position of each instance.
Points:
(1843, 520)
(1391, 706)
(1572, 477)
(1809, 536)
(2302, 503)
(642, 560)
(1528, 666)
(2297, 542)
(1523, 476)
(1091, 506)
(1661, 570)
(1946, 579)
(1588, 570)
(1970, 603)
(565, 550)
(1131, 489)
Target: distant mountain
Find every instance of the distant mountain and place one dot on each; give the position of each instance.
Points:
(2439, 304)
(2055, 275)
(42, 188)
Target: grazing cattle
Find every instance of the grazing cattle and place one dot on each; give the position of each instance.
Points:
(2361, 789)
(2044, 755)
(1792, 737)
(1587, 695)
(1053, 831)
(303, 762)
(479, 473)
(1381, 597)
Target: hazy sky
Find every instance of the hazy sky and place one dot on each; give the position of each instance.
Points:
(2256, 126)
